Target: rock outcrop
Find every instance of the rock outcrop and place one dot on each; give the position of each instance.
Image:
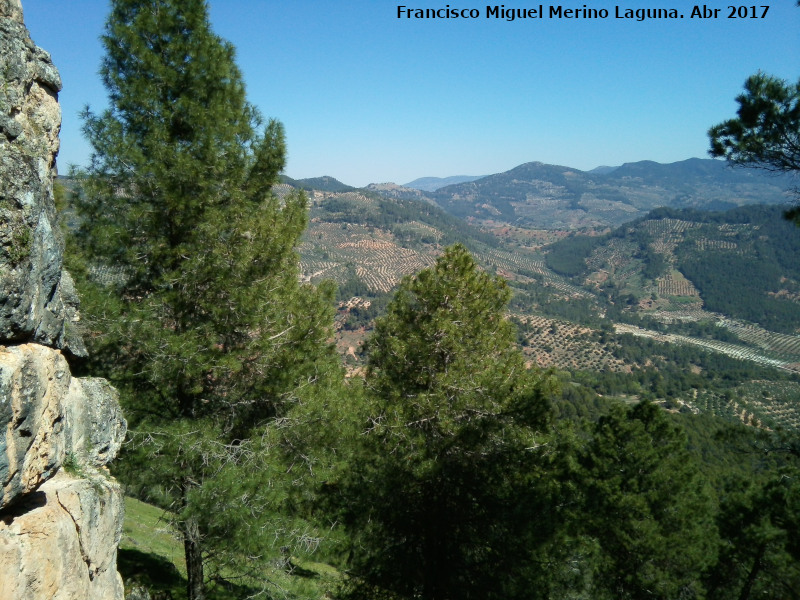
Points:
(61, 542)
(60, 510)
(37, 301)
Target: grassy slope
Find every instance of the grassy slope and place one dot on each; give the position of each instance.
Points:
(151, 555)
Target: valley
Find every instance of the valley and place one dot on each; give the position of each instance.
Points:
(220, 382)
(682, 276)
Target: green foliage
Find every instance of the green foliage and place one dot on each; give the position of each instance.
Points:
(444, 499)
(21, 241)
(537, 298)
(744, 284)
(742, 261)
(568, 256)
(178, 199)
(674, 371)
(446, 467)
(765, 134)
(150, 557)
(759, 523)
(394, 213)
(712, 516)
(644, 507)
(72, 465)
(654, 264)
(206, 329)
(706, 329)
(324, 184)
(359, 316)
(436, 324)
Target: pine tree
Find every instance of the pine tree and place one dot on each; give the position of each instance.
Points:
(644, 508)
(444, 501)
(759, 523)
(206, 328)
(766, 132)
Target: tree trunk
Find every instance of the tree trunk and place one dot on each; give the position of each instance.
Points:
(193, 550)
(751, 577)
(195, 583)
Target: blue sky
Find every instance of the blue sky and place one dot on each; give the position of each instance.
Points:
(367, 97)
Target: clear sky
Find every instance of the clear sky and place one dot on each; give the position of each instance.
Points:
(367, 97)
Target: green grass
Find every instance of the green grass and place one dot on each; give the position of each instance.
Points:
(151, 555)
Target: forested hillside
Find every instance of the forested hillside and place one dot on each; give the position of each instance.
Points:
(740, 263)
(614, 306)
(692, 362)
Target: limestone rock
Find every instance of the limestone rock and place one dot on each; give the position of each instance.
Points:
(46, 414)
(34, 380)
(60, 520)
(95, 428)
(61, 542)
(138, 592)
(11, 9)
(60, 511)
(34, 295)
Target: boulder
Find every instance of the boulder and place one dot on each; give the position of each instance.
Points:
(94, 426)
(34, 381)
(61, 513)
(47, 415)
(61, 542)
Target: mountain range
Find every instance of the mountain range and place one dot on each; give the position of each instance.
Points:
(431, 184)
(541, 196)
(536, 195)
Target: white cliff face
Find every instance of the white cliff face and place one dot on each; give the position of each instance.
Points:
(60, 510)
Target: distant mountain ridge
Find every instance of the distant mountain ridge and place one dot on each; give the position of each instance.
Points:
(542, 196)
(326, 183)
(537, 195)
(431, 184)
(603, 169)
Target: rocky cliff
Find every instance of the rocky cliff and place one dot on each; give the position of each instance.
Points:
(60, 511)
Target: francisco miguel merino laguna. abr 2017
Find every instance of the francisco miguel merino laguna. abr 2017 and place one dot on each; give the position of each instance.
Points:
(553, 12)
